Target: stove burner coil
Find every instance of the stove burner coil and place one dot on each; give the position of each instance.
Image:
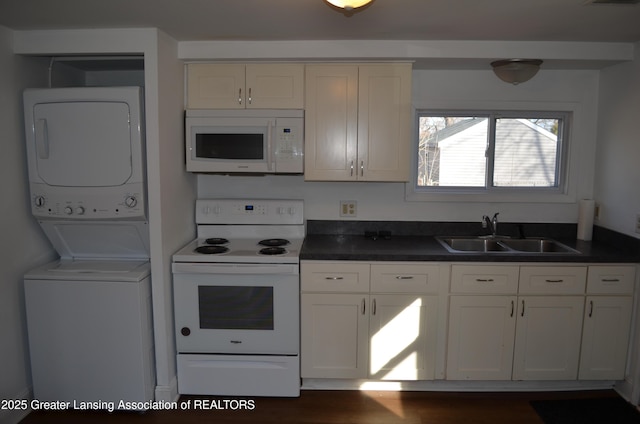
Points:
(273, 251)
(216, 240)
(274, 242)
(211, 250)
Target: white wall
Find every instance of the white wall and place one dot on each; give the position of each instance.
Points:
(618, 153)
(23, 244)
(574, 90)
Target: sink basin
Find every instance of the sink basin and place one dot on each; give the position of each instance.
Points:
(538, 246)
(473, 244)
(503, 245)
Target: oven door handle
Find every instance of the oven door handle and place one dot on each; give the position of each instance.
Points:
(209, 268)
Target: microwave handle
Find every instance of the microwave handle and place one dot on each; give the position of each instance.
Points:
(269, 146)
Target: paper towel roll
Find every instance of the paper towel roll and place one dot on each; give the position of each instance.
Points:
(586, 212)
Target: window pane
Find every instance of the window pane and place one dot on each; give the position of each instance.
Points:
(452, 151)
(526, 153)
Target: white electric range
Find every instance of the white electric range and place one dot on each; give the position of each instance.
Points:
(236, 299)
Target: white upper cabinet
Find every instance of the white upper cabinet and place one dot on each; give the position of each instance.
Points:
(240, 86)
(358, 122)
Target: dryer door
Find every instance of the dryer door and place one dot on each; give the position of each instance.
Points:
(82, 143)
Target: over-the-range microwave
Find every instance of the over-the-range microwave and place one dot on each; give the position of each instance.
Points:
(245, 141)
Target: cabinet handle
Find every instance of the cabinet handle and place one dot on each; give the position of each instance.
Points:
(513, 306)
(484, 280)
(404, 277)
(249, 95)
(351, 169)
(334, 278)
(522, 313)
(554, 281)
(610, 280)
(239, 96)
(363, 306)
(373, 307)
(362, 168)
(590, 308)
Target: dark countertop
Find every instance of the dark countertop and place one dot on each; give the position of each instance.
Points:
(406, 243)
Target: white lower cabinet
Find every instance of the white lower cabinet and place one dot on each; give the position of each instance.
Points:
(386, 321)
(481, 337)
(382, 336)
(607, 322)
(548, 332)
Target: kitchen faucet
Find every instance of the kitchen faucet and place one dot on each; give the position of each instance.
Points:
(491, 223)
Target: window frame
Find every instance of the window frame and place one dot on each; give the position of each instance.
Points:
(489, 192)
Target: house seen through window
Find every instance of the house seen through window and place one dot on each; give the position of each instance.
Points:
(490, 151)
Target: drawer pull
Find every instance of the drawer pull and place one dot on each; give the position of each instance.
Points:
(610, 280)
(554, 281)
(334, 278)
(484, 280)
(404, 277)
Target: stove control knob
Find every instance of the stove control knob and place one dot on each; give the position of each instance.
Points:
(185, 331)
(80, 210)
(130, 201)
(39, 201)
(68, 210)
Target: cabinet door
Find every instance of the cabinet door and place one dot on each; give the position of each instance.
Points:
(334, 337)
(384, 122)
(331, 122)
(481, 337)
(275, 86)
(548, 337)
(214, 86)
(403, 337)
(605, 337)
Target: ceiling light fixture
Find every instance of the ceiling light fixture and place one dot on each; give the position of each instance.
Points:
(516, 71)
(349, 5)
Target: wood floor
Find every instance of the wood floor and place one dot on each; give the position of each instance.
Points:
(335, 407)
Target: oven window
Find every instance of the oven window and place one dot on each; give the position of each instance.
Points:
(235, 308)
(229, 146)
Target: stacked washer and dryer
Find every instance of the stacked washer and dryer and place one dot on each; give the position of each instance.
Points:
(89, 312)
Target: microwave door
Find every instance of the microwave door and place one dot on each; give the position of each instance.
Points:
(231, 149)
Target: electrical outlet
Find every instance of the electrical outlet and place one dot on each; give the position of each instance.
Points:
(348, 208)
(638, 223)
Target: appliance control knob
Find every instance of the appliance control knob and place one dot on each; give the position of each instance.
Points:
(185, 331)
(68, 210)
(130, 201)
(80, 210)
(39, 201)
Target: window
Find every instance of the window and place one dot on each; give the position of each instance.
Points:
(491, 151)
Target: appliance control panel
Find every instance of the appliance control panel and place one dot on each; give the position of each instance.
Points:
(249, 211)
(71, 203)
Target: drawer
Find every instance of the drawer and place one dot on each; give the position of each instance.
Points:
(553, 279)
(484, 279)
(405, 278)
(611, 279)
(323, 276)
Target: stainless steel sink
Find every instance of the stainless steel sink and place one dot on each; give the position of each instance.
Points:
(472, 244)
(503, 245)
(538, 246)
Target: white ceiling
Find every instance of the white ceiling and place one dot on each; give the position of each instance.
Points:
(495, 20)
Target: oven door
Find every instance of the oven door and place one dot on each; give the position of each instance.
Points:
(236, 308)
